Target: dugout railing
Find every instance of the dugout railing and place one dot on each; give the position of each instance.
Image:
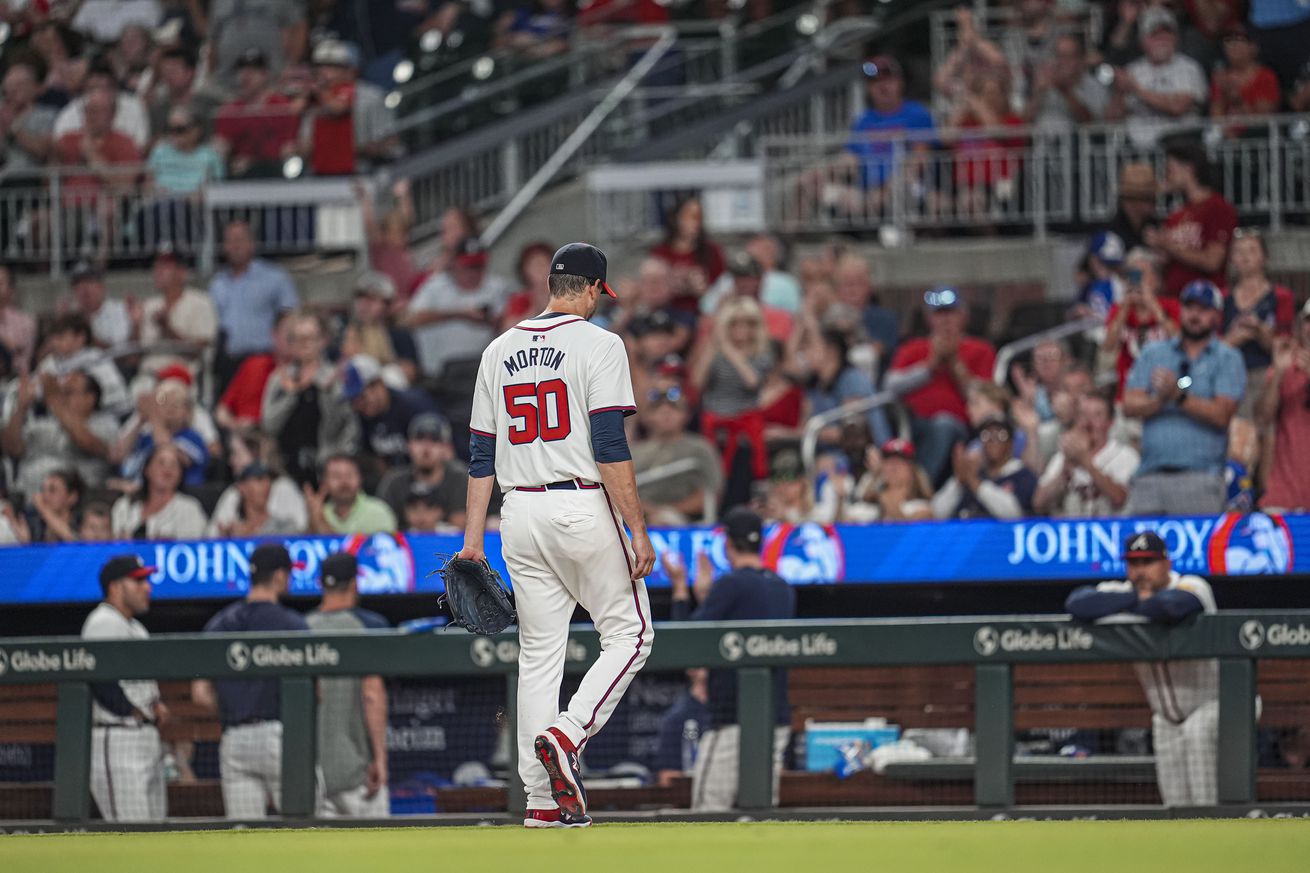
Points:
(993, 648)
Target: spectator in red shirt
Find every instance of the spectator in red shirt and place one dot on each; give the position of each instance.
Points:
(241, 406)
(1142, 317)
(258, 125)
(1242, 86)
(931, 374)
(697, 261)
(98, 148)
(1195, 236)
(986, 163)
(1285, 405)
(534, 269)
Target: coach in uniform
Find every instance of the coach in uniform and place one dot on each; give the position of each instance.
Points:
(352, 711)
(250, 752)
(127, 758)
(748, 593)
(1184, 695)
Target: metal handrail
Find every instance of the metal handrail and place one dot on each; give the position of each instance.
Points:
(1010, 351)
(678, 468)
(575, 140)
(816, 423)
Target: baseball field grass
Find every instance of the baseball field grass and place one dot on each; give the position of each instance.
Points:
(1242, 846)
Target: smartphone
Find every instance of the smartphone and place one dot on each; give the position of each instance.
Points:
(1133, 276)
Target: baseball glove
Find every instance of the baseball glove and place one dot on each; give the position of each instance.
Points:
(476, 596)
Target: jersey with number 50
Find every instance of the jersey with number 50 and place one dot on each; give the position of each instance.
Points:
(538, 385)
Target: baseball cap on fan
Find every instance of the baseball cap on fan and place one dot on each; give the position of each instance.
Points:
(125, 567)
(1109, 247)
(881, 67)
(581, 259)
(361, 372)
(1146, 545)
(744, 528)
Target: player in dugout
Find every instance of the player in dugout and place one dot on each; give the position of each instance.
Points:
(1183, 694)
(750, 592)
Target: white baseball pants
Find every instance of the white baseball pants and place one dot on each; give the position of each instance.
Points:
(355, 803)
(127, 773)
(1186, 757)
(714, 778)
(250, 764)
(563, 548)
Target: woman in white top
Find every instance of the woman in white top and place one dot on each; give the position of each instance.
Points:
(158, 511)
(284, 504)
(895, 488)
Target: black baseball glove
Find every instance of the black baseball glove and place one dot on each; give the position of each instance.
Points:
(476, 596)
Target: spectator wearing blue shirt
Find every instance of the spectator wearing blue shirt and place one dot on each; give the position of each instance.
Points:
(164, 417)
(860, 182)
(250, 752)
(992, 483)
(384, 412)
(1185, 391)
(750, 592)
(248, 295)
(1105, 260)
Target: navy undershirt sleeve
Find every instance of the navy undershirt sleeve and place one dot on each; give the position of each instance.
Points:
(1088, 604)
(482, 455)
(1170, 606)
(608, 441)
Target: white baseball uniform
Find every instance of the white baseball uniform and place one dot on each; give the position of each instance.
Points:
(538, 385)
(127, 757)
(1184, 699)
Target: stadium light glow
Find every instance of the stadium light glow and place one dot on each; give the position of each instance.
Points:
(483, 67)
(808, 24)
(403, 72)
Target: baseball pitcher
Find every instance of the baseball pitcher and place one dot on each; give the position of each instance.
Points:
(1184, 695)
(552, 393)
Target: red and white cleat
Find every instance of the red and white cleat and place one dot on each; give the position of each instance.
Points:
(554, 818)
(560, 758)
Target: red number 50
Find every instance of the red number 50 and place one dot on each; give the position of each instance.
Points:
(532, 420)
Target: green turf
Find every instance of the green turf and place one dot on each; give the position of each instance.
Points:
(1235, 846)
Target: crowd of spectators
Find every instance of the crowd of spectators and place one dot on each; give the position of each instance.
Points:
(1190, 399)
(227, 408)
(154, 98)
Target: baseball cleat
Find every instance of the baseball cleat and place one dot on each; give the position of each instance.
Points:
(555, 818)
(560, 758)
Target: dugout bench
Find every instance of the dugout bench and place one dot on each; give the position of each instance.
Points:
(924, 673)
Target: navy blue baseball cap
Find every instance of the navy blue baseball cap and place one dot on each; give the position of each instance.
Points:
(581, 259)
(1204, 293)
(1146, 545)
(125, 567)
(1109, 247)
(743, 527)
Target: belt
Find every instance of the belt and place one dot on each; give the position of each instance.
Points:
(562, 485)
(132, 725)
(247, 722)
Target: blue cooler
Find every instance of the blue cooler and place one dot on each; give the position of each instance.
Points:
(826, 740)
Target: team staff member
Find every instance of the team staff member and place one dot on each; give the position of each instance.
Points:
(352, 711)
(1184, 695)
(548, 410)
(748, 593)
(127, 758)
(250, 752)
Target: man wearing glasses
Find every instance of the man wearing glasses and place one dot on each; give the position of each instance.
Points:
(681, 497)
(127, 758)
(1186, 391)
(1184, 694)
